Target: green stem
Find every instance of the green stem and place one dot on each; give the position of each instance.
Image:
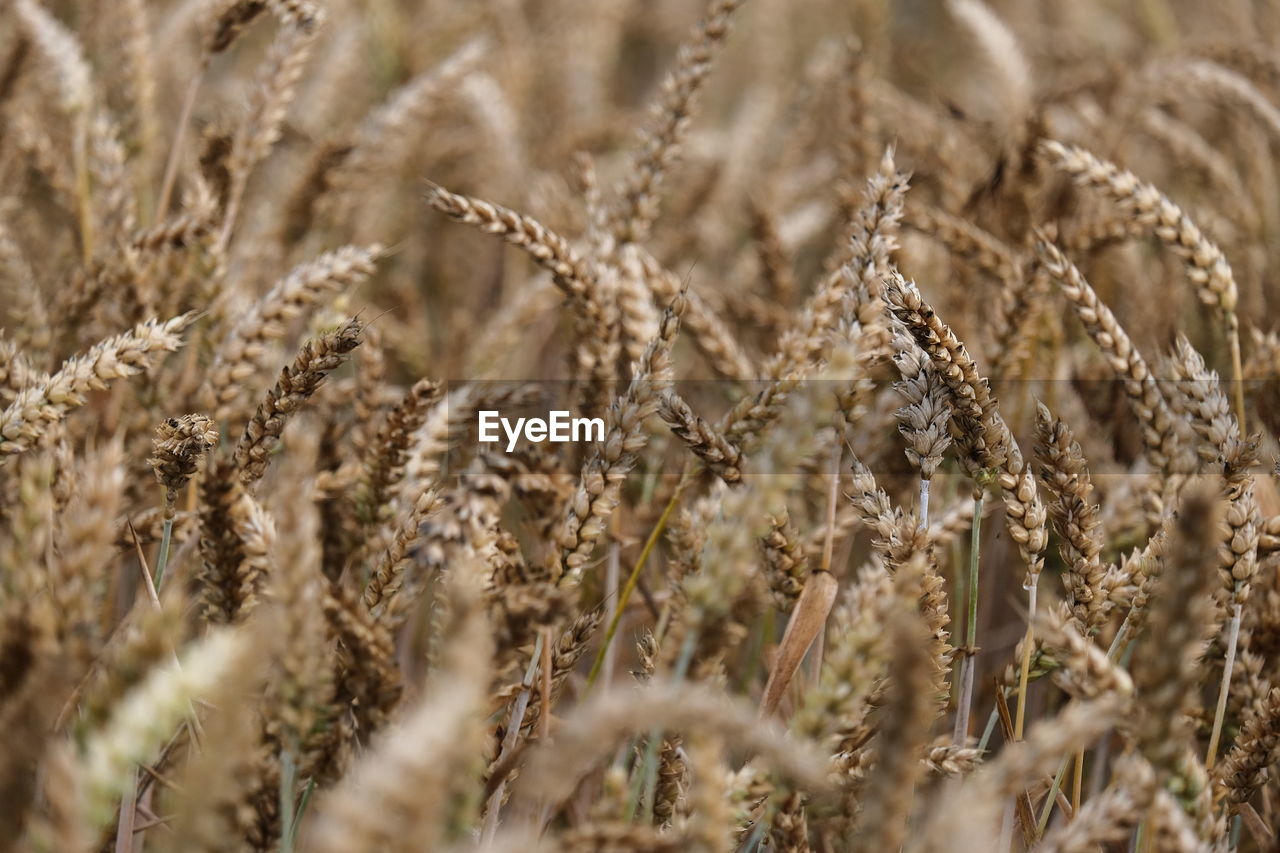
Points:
(989, 730)
(1024, 676)
(1126, 656)
(1053, 796)
(924, 504)
(633, 579)
(162, 560)
(302, 809)
(971, 627)
(288, 779)
(967, 667)
(1121, 633)
(753, 840)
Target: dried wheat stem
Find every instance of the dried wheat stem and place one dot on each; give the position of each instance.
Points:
(1077, 785)
(515, 722)
(1025, 672)
(1233, 639)
(1237, 371)
(84, 188)
(179, 141)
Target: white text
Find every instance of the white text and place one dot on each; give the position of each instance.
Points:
(558, 427)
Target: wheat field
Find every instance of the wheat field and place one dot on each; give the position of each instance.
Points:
(925, 493)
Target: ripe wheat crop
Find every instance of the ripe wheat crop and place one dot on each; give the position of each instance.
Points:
(639, 425)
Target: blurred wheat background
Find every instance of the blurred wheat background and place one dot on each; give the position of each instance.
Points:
(936, 509)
